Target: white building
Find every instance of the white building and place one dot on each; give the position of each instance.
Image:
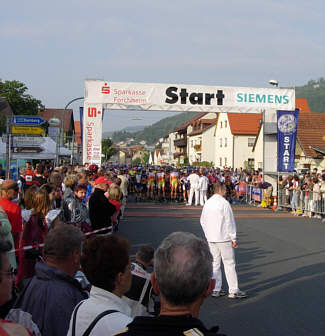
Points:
(235, 138)
(200, 139)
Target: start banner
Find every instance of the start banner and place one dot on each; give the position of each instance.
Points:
(183, 97)
(287, 122)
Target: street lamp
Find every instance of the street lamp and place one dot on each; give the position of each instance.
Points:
(274, 82)
(62, 129)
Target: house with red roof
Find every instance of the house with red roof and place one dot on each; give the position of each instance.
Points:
(235, 135)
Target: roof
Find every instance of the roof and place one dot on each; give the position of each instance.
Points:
(244, 123)
(49, 113)
(5, 108)
(302, 105)
(77, 132)
(208, 124)
(185, 125)
(311, 131)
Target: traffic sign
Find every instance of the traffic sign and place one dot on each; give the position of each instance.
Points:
(22, 141)
(25, 150)
(27, 130)
(27, 120)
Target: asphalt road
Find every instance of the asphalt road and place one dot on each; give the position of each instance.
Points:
(280, 264)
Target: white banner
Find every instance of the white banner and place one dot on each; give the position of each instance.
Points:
(92, 133)
(191, 98)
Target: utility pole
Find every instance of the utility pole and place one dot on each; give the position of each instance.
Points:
(8, 146)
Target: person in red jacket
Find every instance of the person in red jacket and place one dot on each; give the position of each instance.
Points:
(9, 191)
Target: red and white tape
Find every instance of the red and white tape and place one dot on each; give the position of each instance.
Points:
(30, 247)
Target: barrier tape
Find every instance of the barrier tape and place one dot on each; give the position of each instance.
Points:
(30, 247)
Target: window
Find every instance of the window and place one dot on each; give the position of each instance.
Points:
(220, 124)
(220, 161)
(225, 142)
(220, 142)
(251, 163)
(225, 161)
(251, 142)
(225, 123)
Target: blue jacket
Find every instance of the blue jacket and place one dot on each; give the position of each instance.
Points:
(49, 298)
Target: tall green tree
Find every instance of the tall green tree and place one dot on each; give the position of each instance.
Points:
(107, 148)
(19, 100)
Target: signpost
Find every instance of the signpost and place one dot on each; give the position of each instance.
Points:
(29, 149)
(35, 130)
(22, 141)
(27, 120)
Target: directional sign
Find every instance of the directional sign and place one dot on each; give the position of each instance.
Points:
(22, 141)
(25, 150)
(27, 130)
(27, 120)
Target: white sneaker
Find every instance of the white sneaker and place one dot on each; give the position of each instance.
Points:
(239, 295)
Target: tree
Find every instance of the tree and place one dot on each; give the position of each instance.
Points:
(107, 148)
(19, 100)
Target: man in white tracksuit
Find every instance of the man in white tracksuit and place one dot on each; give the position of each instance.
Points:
(203, 184)
(195, 188)
(218, 224)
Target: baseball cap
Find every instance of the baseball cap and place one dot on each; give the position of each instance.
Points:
(102, 179)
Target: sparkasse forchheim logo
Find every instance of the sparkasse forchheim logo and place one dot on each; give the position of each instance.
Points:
(106, 89)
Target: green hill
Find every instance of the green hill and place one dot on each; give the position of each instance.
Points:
(314, 91)
(152, 133)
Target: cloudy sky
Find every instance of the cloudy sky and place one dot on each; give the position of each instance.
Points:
(53, 46)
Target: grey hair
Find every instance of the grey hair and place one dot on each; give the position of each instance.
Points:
(183, 267)
(62, 241)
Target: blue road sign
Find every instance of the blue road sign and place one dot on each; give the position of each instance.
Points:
(27, 120)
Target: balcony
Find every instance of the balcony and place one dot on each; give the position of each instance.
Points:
(180, 142)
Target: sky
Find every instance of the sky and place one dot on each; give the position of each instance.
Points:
(53, 47)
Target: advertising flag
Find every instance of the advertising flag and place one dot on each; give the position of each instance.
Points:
(287, 122)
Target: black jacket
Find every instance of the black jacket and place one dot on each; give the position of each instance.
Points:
(167, 326)
(48, 300)
(100, 210)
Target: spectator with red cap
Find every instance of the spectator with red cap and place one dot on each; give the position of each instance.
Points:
(9, 191)
(100, 210)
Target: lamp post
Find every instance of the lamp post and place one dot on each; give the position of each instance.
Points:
(62, 129)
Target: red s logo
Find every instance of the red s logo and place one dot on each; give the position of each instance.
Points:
(106, 89)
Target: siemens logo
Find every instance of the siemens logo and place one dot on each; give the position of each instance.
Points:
(261, 98)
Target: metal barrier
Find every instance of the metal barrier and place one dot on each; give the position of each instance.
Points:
(302, 201)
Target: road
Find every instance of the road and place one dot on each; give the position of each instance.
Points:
(280, 265)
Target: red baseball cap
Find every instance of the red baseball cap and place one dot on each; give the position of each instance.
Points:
(102, 179)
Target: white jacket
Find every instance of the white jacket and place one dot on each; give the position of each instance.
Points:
(217, 220)
(99, 301)
(194, 180)
(203, 182)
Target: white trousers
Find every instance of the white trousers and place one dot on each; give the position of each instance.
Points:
(225, 252)
(203, 196)
(197, 196)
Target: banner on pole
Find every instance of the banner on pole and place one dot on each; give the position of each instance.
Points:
(287, 122)
(92, 133)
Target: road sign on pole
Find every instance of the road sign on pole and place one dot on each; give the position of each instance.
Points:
(27, 149)
(27, 130)
(27, 120)
(23, 141)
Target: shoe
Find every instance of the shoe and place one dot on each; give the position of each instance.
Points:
(221, 292)
(239, 295)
